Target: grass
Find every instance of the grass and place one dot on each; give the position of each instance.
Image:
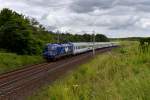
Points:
(10, 61)
(123, 74)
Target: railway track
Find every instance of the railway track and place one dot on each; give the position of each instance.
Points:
(19, 84)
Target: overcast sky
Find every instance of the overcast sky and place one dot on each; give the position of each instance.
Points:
(114, 18)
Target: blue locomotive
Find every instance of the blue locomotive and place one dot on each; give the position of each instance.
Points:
(53, 51)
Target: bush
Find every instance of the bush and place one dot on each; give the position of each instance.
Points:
(144, 44)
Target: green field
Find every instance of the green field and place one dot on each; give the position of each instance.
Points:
(123, 74)
(11, 61)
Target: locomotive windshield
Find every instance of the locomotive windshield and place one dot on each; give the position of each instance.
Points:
(50, 47)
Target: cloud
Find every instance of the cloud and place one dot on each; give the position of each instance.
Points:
(85, 6)
(115, 18)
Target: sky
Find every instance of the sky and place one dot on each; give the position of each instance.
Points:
(114, 18)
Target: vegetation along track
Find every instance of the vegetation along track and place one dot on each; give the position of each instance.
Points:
(17, 85)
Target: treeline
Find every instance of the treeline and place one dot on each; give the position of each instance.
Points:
(66, 37)
(23, 35)
(128, 39)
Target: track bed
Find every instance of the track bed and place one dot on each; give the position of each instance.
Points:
(19, 84)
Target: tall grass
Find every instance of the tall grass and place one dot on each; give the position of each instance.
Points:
(123, 74)
(10, 61)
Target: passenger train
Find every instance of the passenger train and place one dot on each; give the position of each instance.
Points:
(54, 50)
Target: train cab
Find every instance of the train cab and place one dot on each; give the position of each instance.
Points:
(53, 51)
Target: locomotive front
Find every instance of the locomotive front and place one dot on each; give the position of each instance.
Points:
(53, 51)
(49, 51)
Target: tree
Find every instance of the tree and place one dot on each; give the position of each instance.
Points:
(101, 38)
(87, 38)
(16, 33)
